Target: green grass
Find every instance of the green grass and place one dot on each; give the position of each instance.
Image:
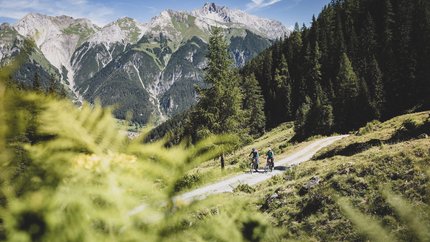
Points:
(188, 29)
(129, 126)
(77, 29)
(130, 25)
(376, 184)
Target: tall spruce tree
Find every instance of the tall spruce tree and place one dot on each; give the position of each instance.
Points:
(52, 85)
(219, 109)
(320, 118)
(253, 105)
(374, 76)
(283, 92)
(314, 75)
(37, 85)
(300, 126)
(347, 94)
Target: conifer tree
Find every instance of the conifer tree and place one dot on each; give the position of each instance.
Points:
(348, 91)
(283, 91)
(52, 84)
(364, 109)
(320, 118)
(377, 91)
(388, 23)
(301, 118)
(367, 46)
(347, 79)
(219, 108)
(314, 76)
(37, 86)
(63, 92)
(253, 105)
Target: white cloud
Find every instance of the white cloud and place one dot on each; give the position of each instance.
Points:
(255, 4)
(97, 13)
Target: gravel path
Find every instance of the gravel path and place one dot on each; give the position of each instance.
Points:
(229, 184)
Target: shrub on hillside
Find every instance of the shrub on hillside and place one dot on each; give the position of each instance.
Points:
(187, 181)
(244, 188)
(369, 127)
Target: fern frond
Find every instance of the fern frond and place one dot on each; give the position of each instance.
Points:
(90, 129)
(365, 224)
(408, 214)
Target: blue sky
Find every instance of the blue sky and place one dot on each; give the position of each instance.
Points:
(102, 12)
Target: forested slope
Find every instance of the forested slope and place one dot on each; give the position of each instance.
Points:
(359, 60)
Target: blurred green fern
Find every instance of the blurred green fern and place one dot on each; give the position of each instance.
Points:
(69, 174)
(416, 221)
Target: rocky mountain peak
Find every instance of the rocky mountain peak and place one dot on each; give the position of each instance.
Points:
(211, 7)
(214, 12)
(4, 26)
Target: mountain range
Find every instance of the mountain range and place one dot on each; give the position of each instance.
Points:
(148, 69)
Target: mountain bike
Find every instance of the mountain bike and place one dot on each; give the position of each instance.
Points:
(253, 165)
(269, 165)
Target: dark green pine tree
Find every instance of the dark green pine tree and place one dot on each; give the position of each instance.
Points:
(62, 92)
(367, 45)
(300, 124)
(219, 108)
(315, 117)
(321, 119)
(52, 85)
(405, 78)
(388, 65)
(283, 92)
(253, 105)
(37, 85)
(421, 33)
(364, 109)
(339, 41)
(314, 75)
(268, 88)
(389, 23)
(368, 42)
(347, 93)
(377, 96)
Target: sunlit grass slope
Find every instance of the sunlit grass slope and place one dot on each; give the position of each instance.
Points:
(372, 185)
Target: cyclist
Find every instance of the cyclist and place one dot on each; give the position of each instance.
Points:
(254, 154)
(270, 158)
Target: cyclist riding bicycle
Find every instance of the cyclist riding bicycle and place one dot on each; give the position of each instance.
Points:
(254, 154)
(270, 158)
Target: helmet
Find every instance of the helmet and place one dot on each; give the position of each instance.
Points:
(270, 149)
(253, 149)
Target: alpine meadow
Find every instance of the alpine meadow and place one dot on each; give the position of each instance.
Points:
(215, 121)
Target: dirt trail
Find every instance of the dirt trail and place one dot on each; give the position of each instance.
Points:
(229, 184)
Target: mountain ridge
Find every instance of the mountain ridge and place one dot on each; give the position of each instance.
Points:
(81, 50)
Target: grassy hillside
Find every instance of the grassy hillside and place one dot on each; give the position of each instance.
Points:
(374, 181)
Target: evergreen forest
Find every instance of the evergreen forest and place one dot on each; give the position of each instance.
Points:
(359, 60)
